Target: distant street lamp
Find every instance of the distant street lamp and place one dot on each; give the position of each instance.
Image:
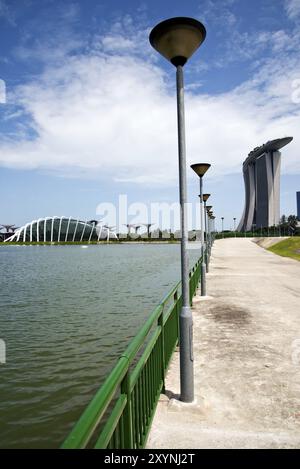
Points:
(213, 223)
(222, 226)
(234, 224)
(177, 39)
(209, 215)
(200, 169)
(205, 199)
(211, 227)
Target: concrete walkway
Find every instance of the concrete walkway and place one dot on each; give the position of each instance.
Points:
(247, 358)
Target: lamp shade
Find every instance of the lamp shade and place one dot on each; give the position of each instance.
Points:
(208, 207)
(177, 39)
(206, 197)
(200, 168)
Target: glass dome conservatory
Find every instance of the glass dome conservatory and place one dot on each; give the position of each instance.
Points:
(62, 229)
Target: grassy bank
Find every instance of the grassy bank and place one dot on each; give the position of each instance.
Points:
(288, 248)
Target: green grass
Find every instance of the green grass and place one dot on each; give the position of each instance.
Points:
(287, 248)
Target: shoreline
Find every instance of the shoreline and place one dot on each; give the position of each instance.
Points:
(88, 244)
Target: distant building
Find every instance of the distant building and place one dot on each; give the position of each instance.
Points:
(262, 186)
(298, 205)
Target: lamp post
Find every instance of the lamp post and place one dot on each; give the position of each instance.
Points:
(211, 217)
(213, 224)
(208, 212)
(234, 224)
(222, 226)
(177, 39)
(200, 169)
(205, 199)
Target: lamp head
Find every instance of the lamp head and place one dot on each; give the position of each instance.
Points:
(177, 39)
(206, 197)
(200, 168)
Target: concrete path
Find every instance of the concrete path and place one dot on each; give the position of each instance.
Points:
(247, 357)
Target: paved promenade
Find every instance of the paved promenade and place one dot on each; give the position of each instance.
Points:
(247, 358)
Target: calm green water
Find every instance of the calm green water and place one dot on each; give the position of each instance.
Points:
(66, 314)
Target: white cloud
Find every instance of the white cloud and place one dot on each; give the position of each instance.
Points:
(2, 92)
(111, 113)
(292, 8)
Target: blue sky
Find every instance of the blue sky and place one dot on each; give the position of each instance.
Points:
(90, 109)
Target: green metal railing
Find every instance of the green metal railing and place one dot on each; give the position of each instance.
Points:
(121, 413)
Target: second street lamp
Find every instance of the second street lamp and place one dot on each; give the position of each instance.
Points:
(177, 39)
(205, 199)
(213, 224)
(200, 169)
(209, 218)
(208, 213)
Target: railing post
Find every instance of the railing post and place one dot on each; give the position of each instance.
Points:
(162, 343)
(127, 414)
(194, 283)
(177, 312)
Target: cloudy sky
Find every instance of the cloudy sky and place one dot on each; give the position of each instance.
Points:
(89, 110)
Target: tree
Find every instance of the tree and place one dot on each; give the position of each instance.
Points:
(283, 220)
(293, 221)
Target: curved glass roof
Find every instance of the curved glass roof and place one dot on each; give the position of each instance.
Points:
(62, 229)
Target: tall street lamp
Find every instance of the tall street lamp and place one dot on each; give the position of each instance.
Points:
(177, 39)
(222, 226)
(205, 199)
(234, 224)
(213, 223)
(200, 169)
(209, 215)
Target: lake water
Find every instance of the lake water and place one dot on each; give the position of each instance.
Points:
(66, 314)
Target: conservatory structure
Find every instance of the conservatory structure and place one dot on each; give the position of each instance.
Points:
(62, 230)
